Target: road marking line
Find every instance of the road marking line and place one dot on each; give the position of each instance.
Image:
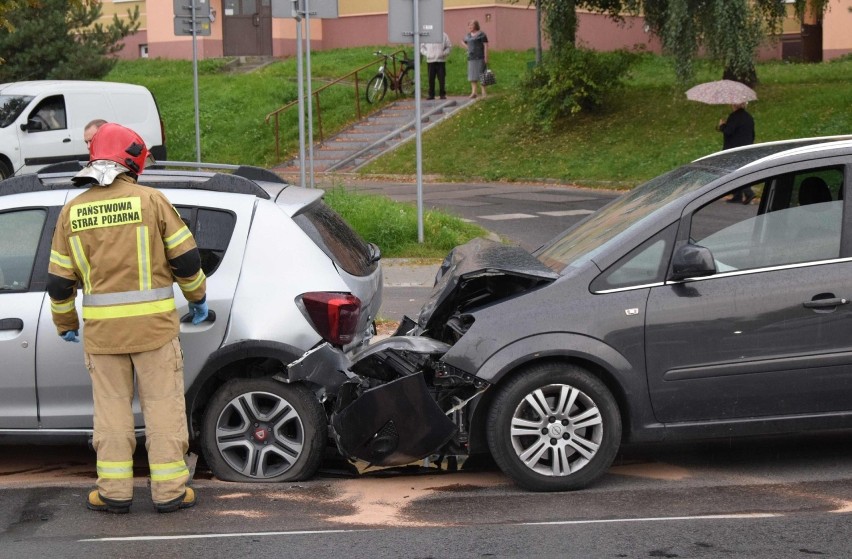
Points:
(563, 213)
(501, 217)
(653, 519)
(229, 535)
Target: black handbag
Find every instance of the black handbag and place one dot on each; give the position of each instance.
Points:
(487, 77)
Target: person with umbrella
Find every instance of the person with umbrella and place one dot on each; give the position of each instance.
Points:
(738, 127)
(738, 130)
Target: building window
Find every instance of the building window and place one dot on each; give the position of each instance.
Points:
(143, 51)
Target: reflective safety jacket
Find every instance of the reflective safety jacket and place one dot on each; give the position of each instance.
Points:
(126, 245)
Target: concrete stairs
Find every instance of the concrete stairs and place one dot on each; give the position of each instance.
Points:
(379, 133)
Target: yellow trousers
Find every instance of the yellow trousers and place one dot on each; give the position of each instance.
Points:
(159, 377)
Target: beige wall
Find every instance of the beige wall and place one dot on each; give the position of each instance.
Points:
(837, 30)
(509, 26)
(162, 42)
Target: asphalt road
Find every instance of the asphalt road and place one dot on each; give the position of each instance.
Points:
(527, 215)
(770, 498)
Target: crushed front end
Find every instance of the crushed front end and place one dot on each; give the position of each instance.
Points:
(396, 401)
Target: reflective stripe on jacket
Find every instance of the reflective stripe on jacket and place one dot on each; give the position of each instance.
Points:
(117, 242)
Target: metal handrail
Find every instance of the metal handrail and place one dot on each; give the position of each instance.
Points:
(277, 112)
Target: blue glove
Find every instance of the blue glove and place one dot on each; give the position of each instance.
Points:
(199, 311)
(70, 336)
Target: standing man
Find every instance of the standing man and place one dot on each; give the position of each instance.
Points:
(90, 129)
(126, 245)
(738, 130)
(436, 60)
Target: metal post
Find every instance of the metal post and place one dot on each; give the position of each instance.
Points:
(418, 125)
(310, 92)
(195, 83)
(538, 32)
(300, 83)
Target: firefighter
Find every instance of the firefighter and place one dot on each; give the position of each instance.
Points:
(126, 245)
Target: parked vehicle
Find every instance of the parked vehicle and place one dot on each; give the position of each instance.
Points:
(284, 273)
(669, 314)
(41, 122)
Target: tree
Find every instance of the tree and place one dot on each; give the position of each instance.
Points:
(59, 39)
(730, 31)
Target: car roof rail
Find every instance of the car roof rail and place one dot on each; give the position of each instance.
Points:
(71, 166)
(27, 183)
(218, 182)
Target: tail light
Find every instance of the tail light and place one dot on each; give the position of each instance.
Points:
(333, 315)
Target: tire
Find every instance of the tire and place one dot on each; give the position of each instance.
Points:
(549, 452)
(376, 88)
(406, 83)
(262, 430)
(5, 170)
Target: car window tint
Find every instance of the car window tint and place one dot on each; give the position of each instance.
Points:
(49, 114)
(212, 230)
(789, 227)
(645, 264)
(20, 232)
(339, 241)
(11, 107)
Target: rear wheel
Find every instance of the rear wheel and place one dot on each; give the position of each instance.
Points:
(263, 430)
(406, 83)
(554, 427)
(376, 88)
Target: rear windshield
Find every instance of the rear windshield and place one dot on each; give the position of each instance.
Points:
(339, 241)
(11, 107)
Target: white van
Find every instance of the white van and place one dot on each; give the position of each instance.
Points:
(41, 122)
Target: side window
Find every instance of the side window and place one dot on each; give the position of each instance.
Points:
(49, 114)
(645, 264)
(799, 219)
(20, 232)
(212, 230)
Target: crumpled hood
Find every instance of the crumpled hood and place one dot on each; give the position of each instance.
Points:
(480, 272)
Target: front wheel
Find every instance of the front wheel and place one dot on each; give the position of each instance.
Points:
(5, 170)
(406, 83)
(554, 427)
(376, 88)
(263, 430)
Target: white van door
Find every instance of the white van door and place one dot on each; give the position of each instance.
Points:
(46, 137)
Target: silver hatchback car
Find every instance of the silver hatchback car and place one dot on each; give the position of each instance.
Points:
(285, 273)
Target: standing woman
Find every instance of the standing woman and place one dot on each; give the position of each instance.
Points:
(477, 56)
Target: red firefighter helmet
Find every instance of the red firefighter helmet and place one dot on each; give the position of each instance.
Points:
(114, 150)
(114, 142)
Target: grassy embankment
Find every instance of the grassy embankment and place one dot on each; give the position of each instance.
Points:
(647, 128)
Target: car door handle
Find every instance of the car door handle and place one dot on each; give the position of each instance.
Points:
(66, 140)
(11, 324)
(823, 303)
(187, 318)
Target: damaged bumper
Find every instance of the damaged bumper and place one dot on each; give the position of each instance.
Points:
(396, 401)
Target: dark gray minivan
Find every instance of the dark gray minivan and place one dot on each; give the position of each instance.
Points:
(674, 312)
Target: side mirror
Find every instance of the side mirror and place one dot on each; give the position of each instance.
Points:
(33, 125)
(692, 261)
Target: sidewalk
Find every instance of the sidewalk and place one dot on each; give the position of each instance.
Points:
(407, 272)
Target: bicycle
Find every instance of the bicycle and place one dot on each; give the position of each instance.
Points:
(401, 81)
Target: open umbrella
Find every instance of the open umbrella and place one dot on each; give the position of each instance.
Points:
(721, 92)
